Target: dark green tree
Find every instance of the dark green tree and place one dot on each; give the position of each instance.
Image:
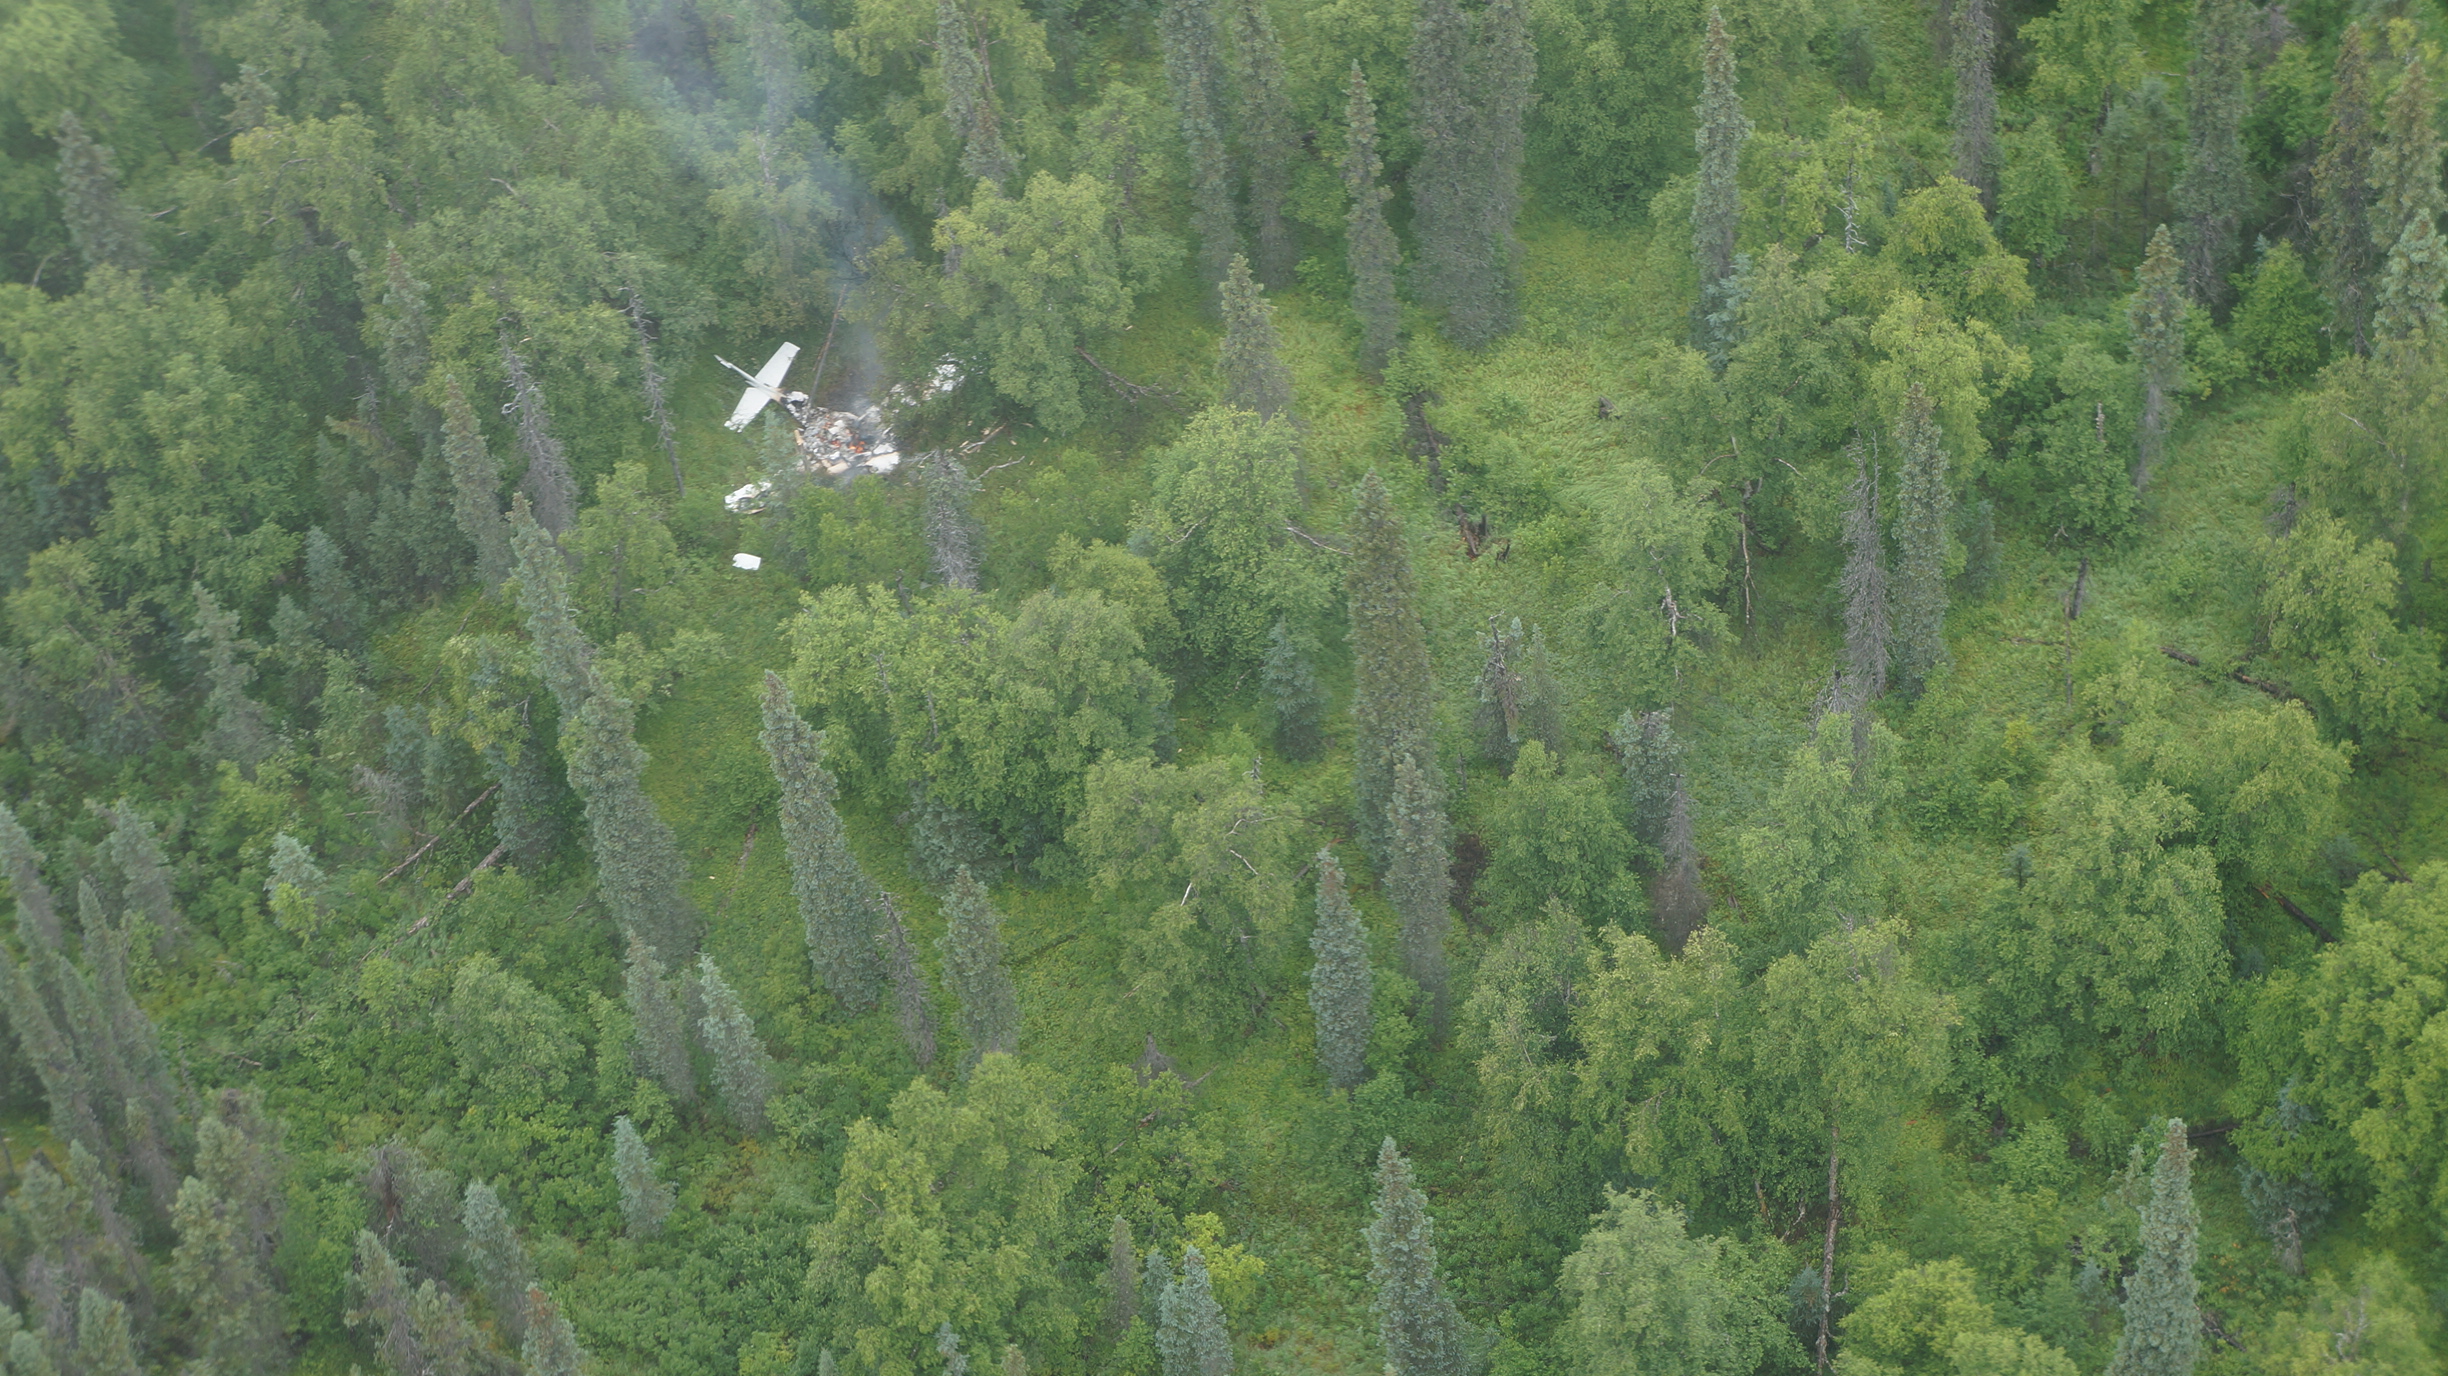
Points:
(551, 1348)
(646, 1200)
(1519, 699)
(1653, 769)
(496, 1255)
(1975, 114)
(650, 377)
(662, 1030)
(1419, 880)
(1416, 1320)
(2156, 315)
(475, 487)
(955, 540)
(1717, 195)
(977, 972)
(239, 729)
(1503, 73)
(1393, 706)
(1194, 69)
(1864, 676)
(1676, 898)
(1924, 520)
(105, 231)
(1369, 244)
(2343, 220)
(961, 62)
(2278, 321)
(842, 908)
(2406, 182)
(2163, 1327)
(913, 1012)
(548, 483)
(1441, 184)
(1270, 142)
(1251, 354)
(106, 1338)
(1190, 1324)
(1121, 1280)
(743, 1073)
(144, 875)
(1292, 689)
(402, 329)
(2215, 188)
(637, 859)
(563, 658)
(1339, 983)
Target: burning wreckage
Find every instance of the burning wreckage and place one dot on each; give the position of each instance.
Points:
(831, 444)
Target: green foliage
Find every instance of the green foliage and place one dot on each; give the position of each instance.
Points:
(1555, 835)
(1194, 71)
(1416, 1320)
(2215, 188)
(2157, 314)
(1292, 690)
(1391, 707)
(1470, 89)
(2163, 1331)
(2278, 320)
(1369, 244)
(976, 972)
(2377, 1009)
(1218, 527)
(510, 1038)
(966, 1195)
(1927, 1319)
(839, 906)
(2035, 194)
(2328, 602)
(1925, 509)
(1190, 1327)
(743, 1073)
(1270, 143)
(1339, 985)
(1419, 880)
(1648, 1297)
(2343, 223)
(1810, 868)
(2405, 225)
(1716, 199)
(645, 1199)
(1255, 378)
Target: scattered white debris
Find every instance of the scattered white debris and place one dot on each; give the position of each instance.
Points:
(745, 499)
(832, 444)
(747, 561)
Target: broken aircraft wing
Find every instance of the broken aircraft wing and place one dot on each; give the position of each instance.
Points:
(765, 386)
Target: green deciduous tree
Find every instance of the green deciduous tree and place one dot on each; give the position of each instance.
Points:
(743, 1073)
(960, 1201)
(840, 906)
(1554, 834)
(977, 972)
(1649, 1299)
(1250, 356)
(1339, 984)
(2278, 321)
(2215, 188)
(2156, 314)
(2379, 1022)
(1416, 1320)
(1716, 196)
(1218, 525)
(2329, 601)
(2163, 1328)
(1369, 244)
(1393, 704)
(1810, 867)
(645, 1199)
(511, 1039)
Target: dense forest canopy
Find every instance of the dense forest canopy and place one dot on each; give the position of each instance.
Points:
(1469, 687)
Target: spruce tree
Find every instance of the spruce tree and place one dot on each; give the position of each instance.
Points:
(1925, 516)
(1441, 184)
(1369, 244)
(551, 1348)
(548, 483)
(645, 1199)
(1503, 73)
(215, 1270)
(38, 923)
(2163, 1326)
(650, 377)
(1416, 1321)
(1975, 114)
(976, 971)
(1250, 356)
(105, 231)
(1194, 70)
(2406, 213)
(1121, 1281)
(475, 487)
(637, 859)
(1518, 697)
(563, 658)
(1190, 1324)
(239, 730)
(953, 535)
(743, 1073)
(1652, 760)
(969, 102)
(144, 876)
(1339, 983)
(2342, 222)
(2156, 314)
(496, 1255)
(1677, 900)
(383, 1285)
(662, 1029)
(106, 1340)
(1269, 141)
(403, 329)
(912, 1012)
(1865, 590)
(1717, 195)
(1292, 689)
(331, 591)
(947, 1346)
(2215, 187)
(1392, 706)
(1419, 880)
(841, 908)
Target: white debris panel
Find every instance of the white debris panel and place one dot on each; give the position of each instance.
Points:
(831, 444)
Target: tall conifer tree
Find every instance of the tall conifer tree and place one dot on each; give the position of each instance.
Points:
(106, 233)
(2156, 314)
(650, 377)
(912, 1011)
(143, 874)
(1191, 1333)
(1440, 181)
(1292, 687)
(563, 658)
(743, 1073)
(496, 1255)
(1121, 1280)
(1269, 141)
(1503, 75)
(637, 859)
(2215, 188)
(2342, 221)
(1923, 521)
(1416, 1321)
(551, 1348)
(548, 483)
(1392, 704)
(1419, 880)
(645, 1199)
(1339, 983)
(475, 487)
(1194, 70)
(969, 101)
(1369, 241)
(662, 1030)
(1975, 114)
(2406, 185)
(976, 970)
(240, 730)
(1251, 354)
(1865, 589)
(2163, 1325)
(1717, 195)
(841, 908)
(954, 538)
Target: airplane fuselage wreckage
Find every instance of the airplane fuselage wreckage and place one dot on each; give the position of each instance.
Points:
(831, 444)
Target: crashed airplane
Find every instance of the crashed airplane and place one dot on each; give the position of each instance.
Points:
(831, 444)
